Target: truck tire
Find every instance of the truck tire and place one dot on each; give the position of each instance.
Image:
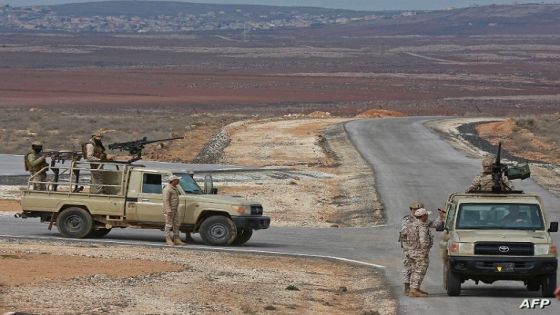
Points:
(74, 222)
(243, 236)
(533, 285)
(453, 283)
(549, 285)
(218, 231)
(97, 233)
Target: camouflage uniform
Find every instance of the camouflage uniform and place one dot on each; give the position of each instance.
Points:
(406, 224)
(170, 206)
(34, 163)
(419, 241)
(94, 151)
(484, 182)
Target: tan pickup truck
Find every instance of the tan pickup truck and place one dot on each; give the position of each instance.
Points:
(498, 236)
(131, 196)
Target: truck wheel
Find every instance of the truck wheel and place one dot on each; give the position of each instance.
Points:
(533, 285)
(99, 232)
(453, 283)
(549, 285)
(74, 222)
(243, 236)
(218, 231)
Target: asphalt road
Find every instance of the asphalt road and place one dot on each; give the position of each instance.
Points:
(410, 163)
(413, 163)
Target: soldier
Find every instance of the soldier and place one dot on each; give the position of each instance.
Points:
(484, 182)
(35, 161)
(170, 206)
(419, 242)
(94, 151)
(407, 221)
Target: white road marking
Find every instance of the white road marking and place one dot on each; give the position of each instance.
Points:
(200, 247)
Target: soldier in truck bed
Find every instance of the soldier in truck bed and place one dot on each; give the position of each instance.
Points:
(35, 161)
(484, 182)
(94, 151)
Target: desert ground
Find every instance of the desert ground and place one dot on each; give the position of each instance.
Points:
(283, 73)
(67, 278)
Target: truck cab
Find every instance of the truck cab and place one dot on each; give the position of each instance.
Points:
(498, 236)
(131, 196)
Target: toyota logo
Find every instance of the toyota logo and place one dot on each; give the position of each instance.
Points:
(503, 249)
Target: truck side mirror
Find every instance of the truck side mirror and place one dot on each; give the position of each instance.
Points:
(553, 227)
(208, 184)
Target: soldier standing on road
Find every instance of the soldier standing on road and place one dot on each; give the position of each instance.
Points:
(35, 162)
(407, 221)
(170, 207)
(419, 242)
(484, 182)
(94, 151)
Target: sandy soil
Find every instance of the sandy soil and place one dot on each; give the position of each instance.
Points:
(66, 278)
(520, 141)
(9, 206)
(328, 183)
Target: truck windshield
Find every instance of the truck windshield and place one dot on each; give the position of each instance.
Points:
(188, 184)
(511, 216)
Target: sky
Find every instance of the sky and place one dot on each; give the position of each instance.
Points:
(344, 4)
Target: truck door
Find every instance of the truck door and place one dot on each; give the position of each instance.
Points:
(149, 207)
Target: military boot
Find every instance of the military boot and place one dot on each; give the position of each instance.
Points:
(415, 293)
(169, 241)
(406, 288)
(422, 291)
(177, 241)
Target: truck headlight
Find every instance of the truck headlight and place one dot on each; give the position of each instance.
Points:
(545, 249)
(461, 248)
(239, 209)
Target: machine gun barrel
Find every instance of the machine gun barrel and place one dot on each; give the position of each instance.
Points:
(497, 171)
(135, 147)
(64, 155)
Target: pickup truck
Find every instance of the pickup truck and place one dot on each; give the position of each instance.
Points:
(498, 236)
(130, 195)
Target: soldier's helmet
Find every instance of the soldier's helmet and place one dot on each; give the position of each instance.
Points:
(36, 144)
(97, 134)
(416, 205)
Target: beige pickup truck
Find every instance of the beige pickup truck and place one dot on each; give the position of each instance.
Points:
(131, 196)
(498, 236)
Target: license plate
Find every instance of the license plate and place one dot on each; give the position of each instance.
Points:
(504, 267)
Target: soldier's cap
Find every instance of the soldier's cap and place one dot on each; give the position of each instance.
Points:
(36, 144)
(97, 134)
(416, 205)
(421, 212)
(172, 178)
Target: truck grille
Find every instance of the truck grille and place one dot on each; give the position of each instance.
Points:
(256, 210)
(504, 249)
